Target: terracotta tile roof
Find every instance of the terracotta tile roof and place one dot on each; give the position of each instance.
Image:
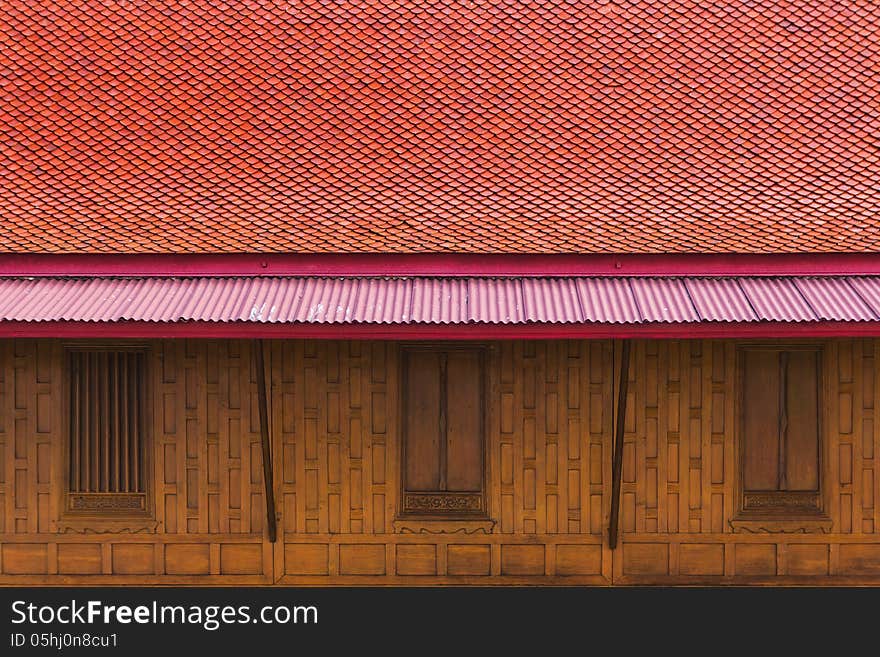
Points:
(401, 126)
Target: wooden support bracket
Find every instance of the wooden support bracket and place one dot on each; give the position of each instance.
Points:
(617, 458)
(268, 480)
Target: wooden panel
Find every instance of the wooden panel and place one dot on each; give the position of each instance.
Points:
(522, 559)
(30, 400)
(132, 559)
(468, 560)
(578, 560)
(422, 417)
(645, 559)
(24, 558)
(760, 419)
(187, 559)
(755, 559)
(807, 559)
(416, 559)
(79, 559)
(464, 437)
(306, 559)
(701, 559)
(241, 559)
(858, 559)
(361, 559)
(802, 434)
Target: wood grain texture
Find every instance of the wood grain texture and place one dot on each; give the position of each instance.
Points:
(335, 424)
(686, 470)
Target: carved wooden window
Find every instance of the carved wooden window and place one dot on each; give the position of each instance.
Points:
(443, 406)
(780, 431)
(108, 428)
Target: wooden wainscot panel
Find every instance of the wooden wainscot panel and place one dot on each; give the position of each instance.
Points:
(361, 559)
(645, 559)
(468, 560)
(241, 559)
(306, 559)
(578, 560)
(79, 559)
(856, 559)
(132, 558)
(187, 559)
(806, 559)
(416, 559)
(755, 559)
(25, 559)
(522, 559)
(701, 559)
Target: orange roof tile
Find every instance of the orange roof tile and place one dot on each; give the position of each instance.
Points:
(398, 126)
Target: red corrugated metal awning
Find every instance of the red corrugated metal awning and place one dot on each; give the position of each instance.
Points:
(433, 306)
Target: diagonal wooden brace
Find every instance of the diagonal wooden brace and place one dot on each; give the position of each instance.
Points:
(268, 480)
(617, 458)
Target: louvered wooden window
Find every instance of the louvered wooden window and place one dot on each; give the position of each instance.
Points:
(780, 430)
(108, 432)
(443, 405)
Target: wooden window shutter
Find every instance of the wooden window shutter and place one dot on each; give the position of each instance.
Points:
(443, 430)
(780, 429)
(107, 431)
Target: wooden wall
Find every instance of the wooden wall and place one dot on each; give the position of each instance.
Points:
(207, 480)
(334, 417)
(339, 468)
(679, 476)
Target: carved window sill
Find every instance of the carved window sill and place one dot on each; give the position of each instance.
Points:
(818, 524)
(442, 526)
(107, 526)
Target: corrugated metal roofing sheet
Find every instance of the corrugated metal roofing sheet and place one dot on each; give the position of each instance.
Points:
(833, 299)
(608, 300)
(495, 301)
(868, 290)
(437, 300)
(663, 300)
(777, 300)
(551, 300)
(720, 300)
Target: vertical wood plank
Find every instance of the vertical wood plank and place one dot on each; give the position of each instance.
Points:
(539, 349)
(858, 419)
(663, 523)
(636, 412)
(559, 405)
(500, 361)
(875, 431)
(706, 498)
(680, 372)
(730, 456)
(832, 435)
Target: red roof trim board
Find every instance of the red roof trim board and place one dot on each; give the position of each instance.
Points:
(495, 126)
(157, 330)
(436, 264)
